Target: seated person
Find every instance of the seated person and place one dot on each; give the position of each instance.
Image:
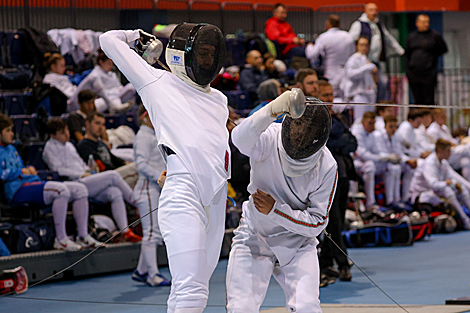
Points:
(393, 162)
(62, 157)
(55, 66)
(76, 120)
(460, 156)
(435, 178)
(253, 74)
(22, 185)
(307, 80)
(281, 32)
(382, 111)
(268, 91)
(368, 161)
(113, 95)
(93, 144)
(407, 137)
(270, 67)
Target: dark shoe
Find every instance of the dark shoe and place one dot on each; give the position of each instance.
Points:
(331, 271)
(345, 274)
(323, 280)
(141, 278)
(331, 279)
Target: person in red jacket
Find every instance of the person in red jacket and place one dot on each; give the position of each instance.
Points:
(278, 30)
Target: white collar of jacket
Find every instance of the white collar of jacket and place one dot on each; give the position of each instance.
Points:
(294, 168)
(178, 68)
(57, 142)
(147, 129)
(364, 18)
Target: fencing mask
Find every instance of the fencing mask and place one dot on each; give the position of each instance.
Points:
(196, 51)
(304, 136)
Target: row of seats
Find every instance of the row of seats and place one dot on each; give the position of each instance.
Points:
(14, 103)
(11, 43)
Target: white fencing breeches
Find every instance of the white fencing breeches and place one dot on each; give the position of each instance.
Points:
(251, 265)
(391, 174)
(193, 236)
(367, 170)
(407, 172)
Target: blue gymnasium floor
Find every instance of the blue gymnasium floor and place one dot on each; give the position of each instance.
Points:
(428, 273)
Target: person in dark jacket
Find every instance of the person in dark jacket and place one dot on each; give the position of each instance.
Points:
(253, 74)
(340, 143)
(423, 48)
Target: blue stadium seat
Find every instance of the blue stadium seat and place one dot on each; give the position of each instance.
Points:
(14, 104)
(111, 121)
(14, 44)
(24, 126)
(237, 99)
(2, 35)
(35, 155)
(237, 49)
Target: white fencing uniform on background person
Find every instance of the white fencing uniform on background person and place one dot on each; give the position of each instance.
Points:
(102, 187)
(386, 147)
(113, 95)
(429, 184)
(190, 124)
(460, 153)
(150, 165)
(365, 158)
(407, 137)
(334, 46)
(283, 242)
(61, 82)
(358, 84)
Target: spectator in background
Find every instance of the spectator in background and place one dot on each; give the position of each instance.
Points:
(382, 111)
(270, 67)
(92, 144)
(393, 162)
(381, 41)
(436, 178)
(268, 91)
(334, 46)
(406, 135)
(423, 48)
(360, 77)
(55, 66)
(22, 185)
(340, 143)
(253, 74)
(279, 31)
(103, 81)
(76, 120)
(61, 156)
(307, 80)
(150, 165)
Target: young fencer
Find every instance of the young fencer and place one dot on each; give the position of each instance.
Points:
(292, 186)
(150, 164)
(190, 123)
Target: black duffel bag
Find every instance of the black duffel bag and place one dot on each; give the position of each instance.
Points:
(15, 78)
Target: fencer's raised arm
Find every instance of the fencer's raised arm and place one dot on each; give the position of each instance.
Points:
(313, 220)
(117, 45)
(247, 136)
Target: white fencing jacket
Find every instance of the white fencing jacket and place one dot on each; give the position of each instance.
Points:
(385, 145)
(148, 157)
(424, 140)
(431, 175)
(376, 40)
(64, 159)
(190, 122)
(407, 137)
(61, 82)
(440, 132)
(335, 46)
(357, 77)
(303, 202)
(366, 144)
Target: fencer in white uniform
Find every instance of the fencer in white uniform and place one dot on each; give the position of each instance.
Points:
(61, 156)
(435, 178)
(105, 83)
(395, 162)
(292, 186)
(190, 123)
(55, 77)
(150, 165)
(460, 156)
(366, 156)
(407, 136)
(358, 84)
